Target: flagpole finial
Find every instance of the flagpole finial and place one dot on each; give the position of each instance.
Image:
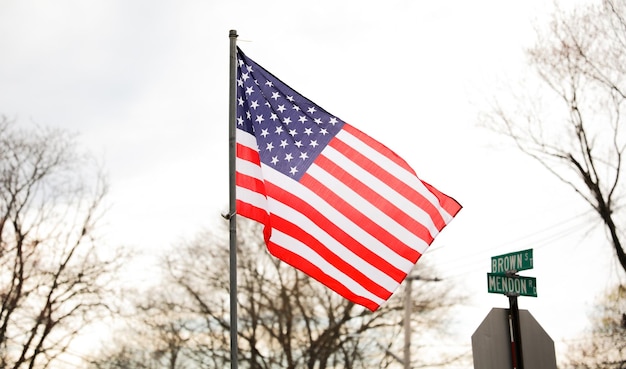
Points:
(233, 33)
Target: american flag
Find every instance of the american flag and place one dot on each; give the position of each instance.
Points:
(335, 203)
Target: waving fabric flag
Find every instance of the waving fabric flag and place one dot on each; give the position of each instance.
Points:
(336, 204)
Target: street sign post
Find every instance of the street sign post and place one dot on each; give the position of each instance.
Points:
(503, 279)
(513, 262)
(511, 285)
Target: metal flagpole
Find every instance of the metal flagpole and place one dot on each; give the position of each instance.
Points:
(233, 198)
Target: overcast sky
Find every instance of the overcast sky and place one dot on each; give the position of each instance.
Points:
(145, 84)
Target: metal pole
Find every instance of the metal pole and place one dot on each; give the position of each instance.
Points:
(407, 322)
(232, 156)
(408, 303)
(516, 349)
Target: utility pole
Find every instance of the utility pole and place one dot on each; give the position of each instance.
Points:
(408, 303)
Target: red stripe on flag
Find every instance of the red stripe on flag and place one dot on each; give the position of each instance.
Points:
(250, 211)
(399, 186)
(250, 183)
(248, 154)
(374, 229)
(375, 199)
(378, 147)
(335, 232)
(446, 202)
(310, 269)
(346, 268)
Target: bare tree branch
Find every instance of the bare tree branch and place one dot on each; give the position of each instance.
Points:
(51, 274)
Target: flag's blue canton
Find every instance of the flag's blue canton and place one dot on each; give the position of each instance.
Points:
(290, 130)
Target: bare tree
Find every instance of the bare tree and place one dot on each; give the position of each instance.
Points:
(286, 319)
(52, 280)
(572, 124)
(154, 335)
(604, 345)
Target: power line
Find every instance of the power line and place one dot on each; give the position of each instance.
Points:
(542, 238)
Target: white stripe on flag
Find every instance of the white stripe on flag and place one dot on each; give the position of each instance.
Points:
(403, 175)
(251, 197)
(304, 251)
(247, 139)
(337, 218)
(249, 168)
(380, 187)
(366, 208)
(333, 245)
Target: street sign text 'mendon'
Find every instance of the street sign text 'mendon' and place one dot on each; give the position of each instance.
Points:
(513, 262)
(511, 285)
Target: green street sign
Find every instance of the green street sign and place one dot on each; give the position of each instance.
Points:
(513, 262)
(511, 285)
